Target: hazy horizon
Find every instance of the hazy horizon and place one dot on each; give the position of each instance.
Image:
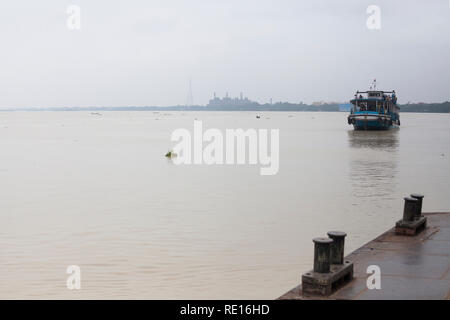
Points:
(143, 53)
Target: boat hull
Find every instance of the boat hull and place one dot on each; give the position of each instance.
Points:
(370, 121)
(370, 125)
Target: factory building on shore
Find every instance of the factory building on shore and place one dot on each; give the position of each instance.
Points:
(231, 102)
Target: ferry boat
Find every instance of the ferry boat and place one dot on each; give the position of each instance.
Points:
(374, 110)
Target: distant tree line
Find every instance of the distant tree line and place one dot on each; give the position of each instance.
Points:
(443, 107)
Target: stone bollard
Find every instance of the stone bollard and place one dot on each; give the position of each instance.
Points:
(337, 246)
(325, 279)
(419, 198)
(413, 221)
(322, 254)
(409, 210)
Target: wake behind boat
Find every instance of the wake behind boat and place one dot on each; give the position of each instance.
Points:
(374, 110)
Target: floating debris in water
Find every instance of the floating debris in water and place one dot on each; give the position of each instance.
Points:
(258, 117)
(170, 154)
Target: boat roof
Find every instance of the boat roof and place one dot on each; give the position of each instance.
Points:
(375, 91)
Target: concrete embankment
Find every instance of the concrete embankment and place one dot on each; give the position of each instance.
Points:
(414, 266)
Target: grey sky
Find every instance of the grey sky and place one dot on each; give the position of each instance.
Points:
(144, 52)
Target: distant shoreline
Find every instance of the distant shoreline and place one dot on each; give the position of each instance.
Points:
(286, 107)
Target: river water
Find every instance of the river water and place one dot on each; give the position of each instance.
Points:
(96, 191)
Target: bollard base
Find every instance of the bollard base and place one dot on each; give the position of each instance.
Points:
(324, 284)
(410, 228)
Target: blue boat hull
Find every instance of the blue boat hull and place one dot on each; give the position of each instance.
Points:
(373, 120)
(371, 125)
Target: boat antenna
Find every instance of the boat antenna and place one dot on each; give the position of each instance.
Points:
(374, 84)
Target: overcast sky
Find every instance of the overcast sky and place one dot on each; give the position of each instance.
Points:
(143, 52)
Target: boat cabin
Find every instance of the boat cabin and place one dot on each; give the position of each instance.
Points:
(375, 101)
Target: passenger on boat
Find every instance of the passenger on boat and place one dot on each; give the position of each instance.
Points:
(394, 98)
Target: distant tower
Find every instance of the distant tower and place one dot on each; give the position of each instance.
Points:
(270, 100)
(190, 97)
(226, 95)
(242, 96)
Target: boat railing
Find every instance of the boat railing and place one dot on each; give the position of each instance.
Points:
(383, 96)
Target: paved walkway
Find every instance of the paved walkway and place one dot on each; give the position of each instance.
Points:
(415, 267)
